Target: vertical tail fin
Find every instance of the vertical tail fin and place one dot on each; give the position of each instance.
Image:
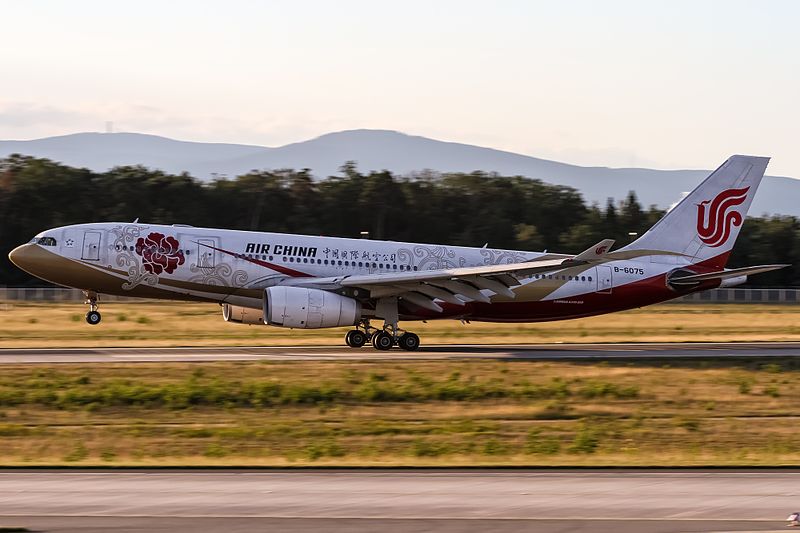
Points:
(704, 225)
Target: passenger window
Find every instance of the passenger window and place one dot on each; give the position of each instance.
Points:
(590, 278)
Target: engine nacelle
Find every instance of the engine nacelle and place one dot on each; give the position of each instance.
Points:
(297, 307)
(242, 315)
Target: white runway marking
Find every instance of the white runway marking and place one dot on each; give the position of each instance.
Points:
(331, 353)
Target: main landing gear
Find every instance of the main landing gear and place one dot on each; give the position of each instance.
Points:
(93, 316)
(381, 339)
(356, 338)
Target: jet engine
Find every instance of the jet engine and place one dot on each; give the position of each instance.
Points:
(297, 307)
(242, 315)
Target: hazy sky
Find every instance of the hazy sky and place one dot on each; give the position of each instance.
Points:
(614, 83)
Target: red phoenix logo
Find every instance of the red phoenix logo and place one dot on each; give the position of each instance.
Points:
(160, 253)
(714, 227)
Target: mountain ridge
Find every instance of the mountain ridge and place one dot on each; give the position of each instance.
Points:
(378, 150)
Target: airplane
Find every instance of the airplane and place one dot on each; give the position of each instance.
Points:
(303, 281)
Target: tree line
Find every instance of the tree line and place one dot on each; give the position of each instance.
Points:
(449, 208)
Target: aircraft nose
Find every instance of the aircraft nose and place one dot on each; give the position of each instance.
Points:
(23, 256)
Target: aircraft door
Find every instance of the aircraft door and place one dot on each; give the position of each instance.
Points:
(91, 246)
(205, 253)
(604, 280)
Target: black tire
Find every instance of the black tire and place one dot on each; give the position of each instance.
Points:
(382, 341)
(358, 339)
(355, 338)
(408, 341)
(93, 317)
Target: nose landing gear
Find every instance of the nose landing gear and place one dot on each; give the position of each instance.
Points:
(93, 316)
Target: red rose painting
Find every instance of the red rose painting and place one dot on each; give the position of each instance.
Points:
(160, 253)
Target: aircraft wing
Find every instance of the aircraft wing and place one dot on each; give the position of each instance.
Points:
(452, 285)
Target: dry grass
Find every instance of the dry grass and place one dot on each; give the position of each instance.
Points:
(402, 413)
(729, 412)
(189, 324)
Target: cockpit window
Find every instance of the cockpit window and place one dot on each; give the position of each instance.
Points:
(46, 241)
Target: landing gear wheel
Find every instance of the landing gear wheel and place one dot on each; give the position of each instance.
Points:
(408, 341)
(382, 341)
(93, 317)
(355, 338)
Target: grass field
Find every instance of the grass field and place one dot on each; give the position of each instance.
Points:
(445, 413)
(190, 324)
(401, 413)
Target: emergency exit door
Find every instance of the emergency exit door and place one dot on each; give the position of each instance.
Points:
(91, 246)
(205, 253)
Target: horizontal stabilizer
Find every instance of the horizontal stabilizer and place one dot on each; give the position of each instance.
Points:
(693, 279)
(595, 252)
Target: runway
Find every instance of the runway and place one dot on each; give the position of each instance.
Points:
(389, 501)
(463, 351)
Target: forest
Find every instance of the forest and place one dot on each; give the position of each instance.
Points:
(448, 208)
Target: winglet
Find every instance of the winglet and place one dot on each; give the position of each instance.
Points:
(595, 252)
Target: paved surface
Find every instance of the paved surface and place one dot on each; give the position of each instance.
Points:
(201, 501)
(464, 351)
